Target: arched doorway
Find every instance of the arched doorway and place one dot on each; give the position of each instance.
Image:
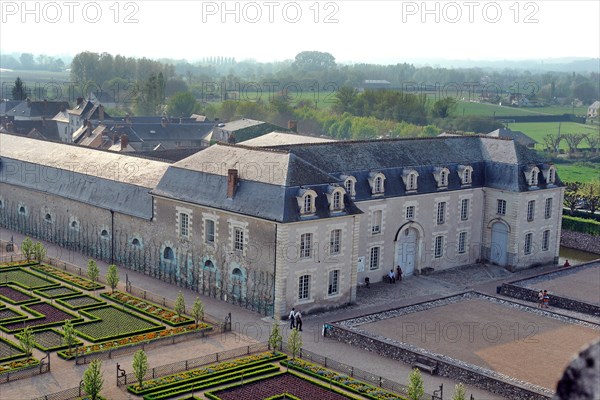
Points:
(498, 254)
(407, 250)
(237, 278)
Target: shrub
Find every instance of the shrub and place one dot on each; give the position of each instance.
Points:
(581, 225)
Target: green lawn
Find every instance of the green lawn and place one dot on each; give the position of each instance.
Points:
(537, 130)
(487, 110)
(578, 172)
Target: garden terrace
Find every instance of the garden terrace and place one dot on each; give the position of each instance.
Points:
(25, 279)
(81, 301)
(14, 264)
(50, 340)
(280, 386)
(341, 380)
(56, 292)
(75, 280)
(8, 315)
(109, 323)
(9, 351)
(13, 295)
(13, 366)
(46, 315)
(163, 314)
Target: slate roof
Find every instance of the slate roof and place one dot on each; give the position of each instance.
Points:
(281, 138)
(47, 128)
(516, 135)
(8, 105)
(37, 109)
(171, 132)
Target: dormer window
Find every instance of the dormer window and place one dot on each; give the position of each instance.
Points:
(376, 180)
(335, 197)
(441, 176)
(349, 185)
(409, 177)
(337, 200)
(534, 178)
(531, 175)
(306, 201)
(549, 174)
(465, 172)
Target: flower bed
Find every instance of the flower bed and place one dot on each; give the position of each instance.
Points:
(80, 301)
(50, 340)
(201, 373)
(341, 380)
(155, 311)
(110, 322)
(25, 279)
(9, 351)
(56, 292)
(19, 364)
(132, 341)
(23, 263)
(182, 387)
(75, 280)
(47, 315)
(15, 296)
(7, 315)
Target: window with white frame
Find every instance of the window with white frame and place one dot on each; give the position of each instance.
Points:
(334, 241)
(374, 258)
(530, 210)
(308, 204)
(376, 218)
(184, 224)
(305, 245)
(304, 287)
(333, 283)
(466, 178)
(441, 213)
(412, 181)
(533, 177)
(438, 249)
(548, 208)
(410, 212)
(209, 231)
(349, 185)
(306, 201)
(551, 175)
(464, 209)
(378, 185)
(528, 243)
(337, 200)
(545, 240)
(238, 238)
(501, 207)
(443, 178)
(462, 243)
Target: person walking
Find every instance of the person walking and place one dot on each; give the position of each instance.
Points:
(292, 318)
(546, 299)
(399, 273)
(540, 299)
(298, 317)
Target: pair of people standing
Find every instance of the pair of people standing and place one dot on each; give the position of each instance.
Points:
(295, 318)
(543, 299)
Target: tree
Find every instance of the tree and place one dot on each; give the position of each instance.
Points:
(275, 337)
(591, 195)
(415, 388)
(460, 392)
(180, 304)
(19, 91)
(295, 342)
(198, 310)
(93, 379)
(112, 277)
(314, 61)
(27, 340)
(552, 142)
(140, 366)
(572, 195)
(593, 140)
(573, 141)
(344, 99)
(181, 104)
(444, 107)
(68, 334)
(93, 271)
(39, 251)
(27, 61)
(27, 248)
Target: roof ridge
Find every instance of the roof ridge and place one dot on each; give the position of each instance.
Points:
(254, 148)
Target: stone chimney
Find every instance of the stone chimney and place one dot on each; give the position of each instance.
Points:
(79, 100)
(124, 142)
(232, 182)
(101, 112)
(293, 125)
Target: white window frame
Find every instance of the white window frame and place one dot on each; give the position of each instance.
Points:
(206, 231)
(438, 247)
(548, 208)
(464, 209)
(333, 282)
(184, 225)
(238, 238)
(308, 204)
(374, 258)
(546, 240)
(440, 217)
(304, 287)
(410, 212)
(412, 181)
(376, 221)
(337, 200)
(306, 245)
(528, 245)
(335, 242)
(530, 210)
(501, 207)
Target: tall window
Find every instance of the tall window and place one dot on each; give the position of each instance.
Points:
(238, 243)
(337, 201)
(378, 185)
(412, 182)
(546, 240)
(467, 176)
(333, 284)
(374, 258)
(464, 209)
(548, 208)
(530, 210)
(443, 178)
(441, 213)
(307, 204)
(528, 243)
(501, 209)
(184, 224)
(376, 221)
(305, 245)
(551, 175)
(462, 243)
(209, 231)
(439, 247)
(349, 185)
(410, 212)
(304, 287)
(334, 241)
(533, 179)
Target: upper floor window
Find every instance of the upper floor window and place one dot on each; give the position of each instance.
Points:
(308, 204)
(184, 224)
(238, 238)
(465, 172)
(545, 240)
(376, 180)
(462, 243)
(441, 177)
(548, 208)
(551, 175)
(527, 248)
(441, 213)
(305, 245)
(531, 173)
(530, 210)
(374, 258)
(378, 185)
(464, 209)
(335, 197)
(410, 212)
(334, 241)
(438, 249)
(350, 185)
(376, 217)
(209, 231)
(410, 179)
(333, 284)
(306, 201)
(501, 207)
(337, 200)
(304, 287)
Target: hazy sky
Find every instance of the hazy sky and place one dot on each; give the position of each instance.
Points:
(359, 31)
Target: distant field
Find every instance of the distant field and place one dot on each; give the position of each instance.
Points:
(537, 130)
(487, 110)
(578, 173)
(56, 84)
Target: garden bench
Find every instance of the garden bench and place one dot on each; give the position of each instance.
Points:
(425, 364)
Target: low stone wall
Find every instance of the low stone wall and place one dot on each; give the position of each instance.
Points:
(580, 241)
(446, 367)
